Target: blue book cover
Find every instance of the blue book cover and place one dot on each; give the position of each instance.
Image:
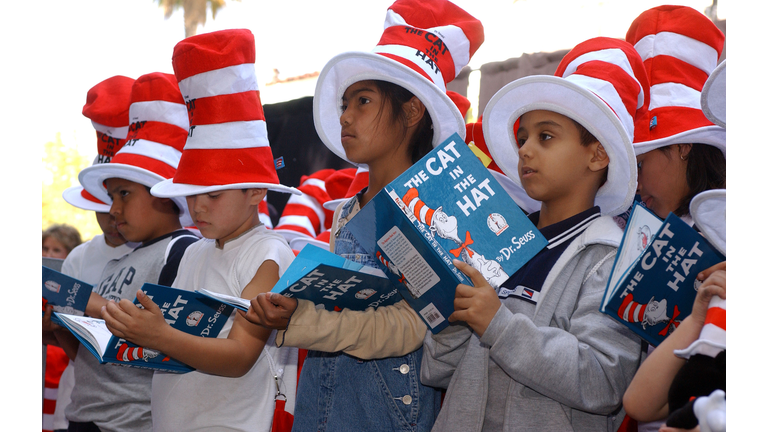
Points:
(335, 283)
(66, 294)
(445, 206)
(658, 289)
(187, 311)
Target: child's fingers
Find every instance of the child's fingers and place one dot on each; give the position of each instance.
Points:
(145, 301)
(464, 291)
(287, 303)
(116, 327)
(705, 274)
(476, 277)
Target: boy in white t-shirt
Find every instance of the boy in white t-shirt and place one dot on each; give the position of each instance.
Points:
(225, 170)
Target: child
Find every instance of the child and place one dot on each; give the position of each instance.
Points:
(551, 360)
(117, 398)
(107, 104)
(684, 152)
(224, 173)
(385, 110)
(59, 240)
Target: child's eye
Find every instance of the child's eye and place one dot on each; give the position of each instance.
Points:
(343, 108)
(639, 165)
(521, 141)
(364, 100)
(545, 136)
(214, 195)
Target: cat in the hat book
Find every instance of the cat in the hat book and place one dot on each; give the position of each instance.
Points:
(446, 206)
(653, 282)
(66, 294)
(187, 311)
(329, 281)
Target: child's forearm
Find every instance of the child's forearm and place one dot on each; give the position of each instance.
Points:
(388, 331)
(95, 303)
(646, 398)
(68, 342)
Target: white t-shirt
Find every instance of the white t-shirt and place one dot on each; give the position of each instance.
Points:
(86, 263)
(199, 401)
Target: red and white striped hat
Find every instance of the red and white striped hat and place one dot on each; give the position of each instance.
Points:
(264, 217)
(156, 136)
(359, 181)
(322, 240)
(304, 215)
(227, 147)
(476, 143)
(461, 102)
(106, 104)
(713, 96)
(423, 47)
(712, 337)
(632, 311)
(602, 85)
(680, 48)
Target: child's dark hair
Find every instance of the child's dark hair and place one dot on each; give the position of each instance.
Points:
(705, 171)
(397, 96)
(176, 208)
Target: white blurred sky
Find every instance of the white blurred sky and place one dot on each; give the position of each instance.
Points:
(76, 44)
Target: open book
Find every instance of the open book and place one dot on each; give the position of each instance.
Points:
(187, 311)
(446, 206)
(66, 294)
(653, 283)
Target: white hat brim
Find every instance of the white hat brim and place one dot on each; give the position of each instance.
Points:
(290, 235)
(169, 189)
(713, 96)
(563, 97)
(712, 135)
(298, 243)
(73, 196)
(348, 68)
(708, 213)
(92, 178)
(332, 204)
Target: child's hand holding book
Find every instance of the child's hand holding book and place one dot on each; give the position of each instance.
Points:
(271, 310)
(475, 305)
(143, 327)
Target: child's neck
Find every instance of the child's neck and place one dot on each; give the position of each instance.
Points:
(252, 223)
(381, 175)
(556, 211)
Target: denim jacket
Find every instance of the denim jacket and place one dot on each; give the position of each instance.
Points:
(338, 392)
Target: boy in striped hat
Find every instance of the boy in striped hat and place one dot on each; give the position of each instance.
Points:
(538, 354)
(224, 173)
(117, 398)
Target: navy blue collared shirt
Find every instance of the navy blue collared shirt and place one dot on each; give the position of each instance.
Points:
(526, 283)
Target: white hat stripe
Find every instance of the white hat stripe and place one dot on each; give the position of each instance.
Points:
(457, 43)
(607, 92)
(394, 19)
(161, 152)
(612, 55)
(636, 308)
(114, 132)
(674, 94)
(682, 47)
(297, 220)
(423, 214)
(229, 80)
(232, 135)
(314, 182)
(160, 111)
(409, 53)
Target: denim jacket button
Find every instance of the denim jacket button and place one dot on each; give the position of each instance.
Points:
(407, 399)
(404, 368)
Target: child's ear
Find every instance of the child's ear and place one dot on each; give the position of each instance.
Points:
(414, 109)
(599, 159)
(257, 194)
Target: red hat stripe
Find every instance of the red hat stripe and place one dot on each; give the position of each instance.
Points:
(160, 151)
(107, 104)
(107, 147)
(155, 87)
(160, 111)
(676, 120)
(606, 91)
(114, 132)
(674, 95)
(681, 47)
(428, 46)
(226, 166)
(84, 193)
(627, 87)
(675, 70)
(159, 132)
(413, 59)
(148, 163)
(232, 135)
(613, 58)
(302, 229)
(678, 20)
(233, 79)
(234, 107)
(196, 55)
(301, 214)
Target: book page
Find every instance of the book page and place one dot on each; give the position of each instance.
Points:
(237, 302)
(411, 264)
(94, 330)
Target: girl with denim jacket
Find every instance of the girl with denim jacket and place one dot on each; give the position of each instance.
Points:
(384, 110)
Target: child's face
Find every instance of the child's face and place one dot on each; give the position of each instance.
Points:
(139, 216)
(661, 180)
(368, 133)
(53, 248)
(109, 228)
(552, 162)
(224, 215)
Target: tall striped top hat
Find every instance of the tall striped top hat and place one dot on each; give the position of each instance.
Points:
(602, 85)
(476, 143)
(679, 47)
(713, 96)
(106, 104)
(227, 147)
(354, 185)
(423, 47)
(304, 215)
(156, 136)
